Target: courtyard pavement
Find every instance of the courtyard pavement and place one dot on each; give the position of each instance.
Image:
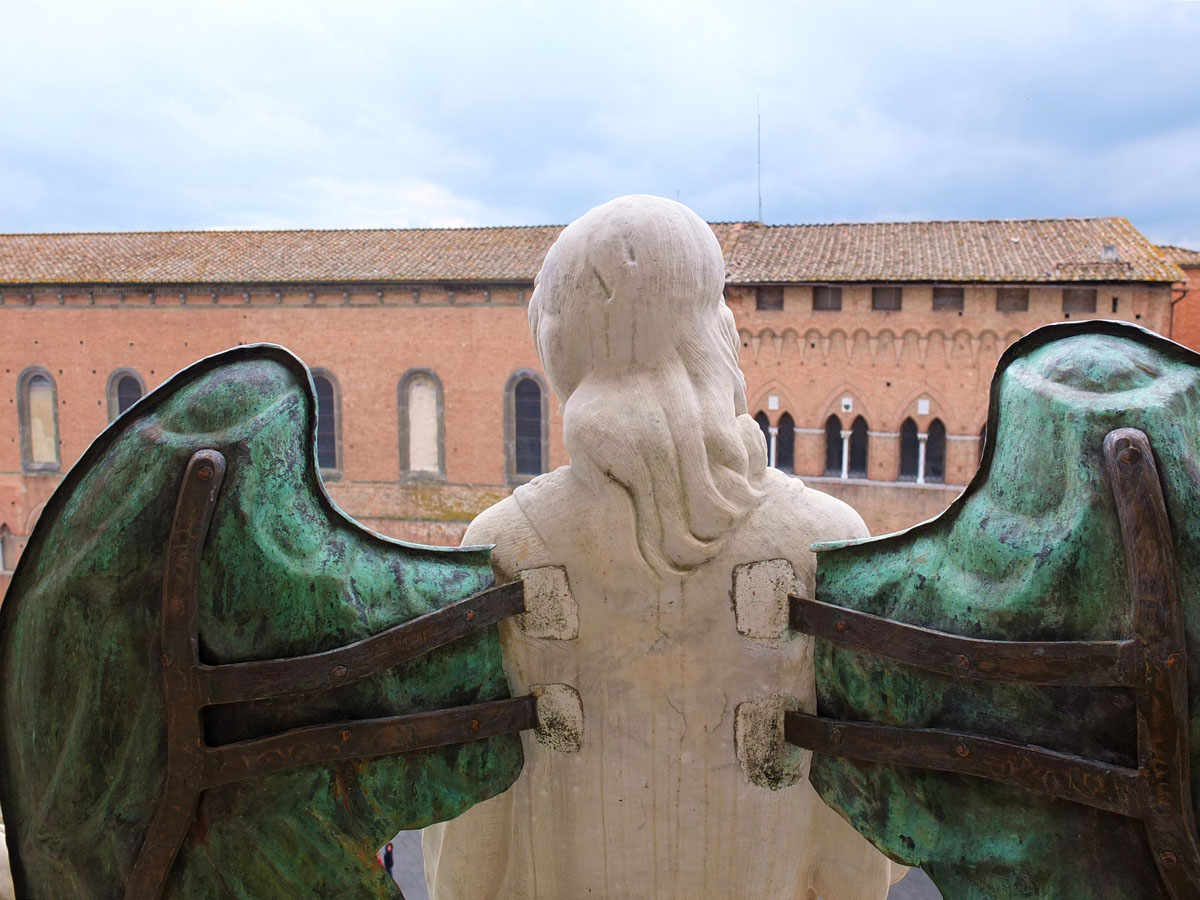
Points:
(410, 874)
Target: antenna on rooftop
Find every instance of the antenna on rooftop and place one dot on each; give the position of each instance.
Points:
(758, 108)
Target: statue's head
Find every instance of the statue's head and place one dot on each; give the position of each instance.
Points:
(634, 334)
(627, 286)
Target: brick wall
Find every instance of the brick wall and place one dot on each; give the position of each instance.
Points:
(367, 337)
(1185, 325)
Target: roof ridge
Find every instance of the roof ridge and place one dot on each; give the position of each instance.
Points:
(460, 228)
(211, 231)
(941, 222)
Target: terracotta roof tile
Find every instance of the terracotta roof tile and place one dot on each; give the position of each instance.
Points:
(1026, 250)
(992, 251)
(1180, 256)
(416, 254)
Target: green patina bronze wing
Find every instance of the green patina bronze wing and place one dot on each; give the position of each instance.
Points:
(86, 662)
(1047, 755)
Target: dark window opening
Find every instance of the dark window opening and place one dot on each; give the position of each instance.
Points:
(935, 452)
(326, 423)
(909, 450)
(858, 448)
(827, 297)
(129, 392)
(785, 444)
(948, 298)
(1079, 300)
(764, 425)
(1012, 299)
(769, 297)
(833, 446)
(886, 297)
(527, 402)
(1116, 301)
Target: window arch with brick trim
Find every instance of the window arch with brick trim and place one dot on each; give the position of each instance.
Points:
(125, 388)
(526, 431)
(329, 423)
(422, 425)
(37, 414)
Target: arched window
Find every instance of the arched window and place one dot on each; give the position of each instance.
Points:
(833, 446)
(422, 425)
(527, 437)
(785, 447)
(327, 421)
(764, 425)
(37, 410)
(909, 451)
(858, 448)
(125, 388)
(935, 452)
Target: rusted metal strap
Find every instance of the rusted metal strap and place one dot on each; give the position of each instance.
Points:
(235, 682)
(188, 687)
(1074, 778)
(1160, 689)
(1153, 664)
(366, 739)
(185, 731)
(1076, 663)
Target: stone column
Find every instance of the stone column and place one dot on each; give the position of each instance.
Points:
(846, 453)
(774, 432)
(922, 437)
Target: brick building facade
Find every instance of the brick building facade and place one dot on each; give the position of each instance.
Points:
(1185, 302)
(867, 349)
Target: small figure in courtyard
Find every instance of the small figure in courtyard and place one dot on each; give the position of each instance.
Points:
(667, 493)
(389, 860)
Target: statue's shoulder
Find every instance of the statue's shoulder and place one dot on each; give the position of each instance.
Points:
(790, 497)
(790, 517)
(510, 528)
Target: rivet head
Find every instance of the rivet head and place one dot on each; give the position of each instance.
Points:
(204, 472)
(1129, 455)
(338, 671)
(346, 735)
(1168, 857)
(836, 735)
(963, 662)
(839, 625)
(1173, 660)
(470, 615)
(963, 750)
(474, 724)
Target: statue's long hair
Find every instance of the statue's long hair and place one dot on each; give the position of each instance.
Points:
(633, 331)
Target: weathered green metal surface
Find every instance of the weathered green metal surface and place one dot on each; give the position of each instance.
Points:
(284, 572)
(1031, 551)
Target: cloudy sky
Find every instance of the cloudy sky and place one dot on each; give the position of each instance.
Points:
(128, 114)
